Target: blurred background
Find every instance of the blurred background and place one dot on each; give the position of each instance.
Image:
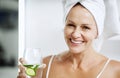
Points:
(8, 38)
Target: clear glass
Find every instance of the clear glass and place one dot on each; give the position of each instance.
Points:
(33, 59)
(33, 56)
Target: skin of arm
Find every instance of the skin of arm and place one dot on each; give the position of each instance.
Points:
(45, 61)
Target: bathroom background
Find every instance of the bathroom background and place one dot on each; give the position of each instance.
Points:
(8, 38)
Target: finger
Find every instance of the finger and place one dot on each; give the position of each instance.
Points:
(42, 66)
(22, 69)
(21, 72)
(22, 61)
(19, 76)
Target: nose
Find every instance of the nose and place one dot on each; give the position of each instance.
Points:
(76, 33)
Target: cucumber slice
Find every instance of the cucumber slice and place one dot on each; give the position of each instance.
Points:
(28, 66)
(31, 69)
(30, 72)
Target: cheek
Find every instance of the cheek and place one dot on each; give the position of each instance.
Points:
(92, 35)
(67, 32)
(95, 33)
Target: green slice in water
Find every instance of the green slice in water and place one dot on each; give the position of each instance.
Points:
(28, 66)
(30, 72)
(31, 69)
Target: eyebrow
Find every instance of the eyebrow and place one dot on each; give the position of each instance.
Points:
(86, 24)
(74, 23)
(70, 21)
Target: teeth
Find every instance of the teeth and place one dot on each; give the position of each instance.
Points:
(77, 42)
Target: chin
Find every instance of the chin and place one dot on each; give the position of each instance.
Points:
(76, 50)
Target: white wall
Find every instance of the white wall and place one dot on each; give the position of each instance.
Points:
(111, 49)
(44, 29)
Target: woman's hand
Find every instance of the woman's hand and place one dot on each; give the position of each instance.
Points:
(22, 73)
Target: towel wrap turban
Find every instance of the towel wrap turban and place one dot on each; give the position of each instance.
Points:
(105, 13)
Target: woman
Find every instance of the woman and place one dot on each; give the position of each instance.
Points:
(81, 60)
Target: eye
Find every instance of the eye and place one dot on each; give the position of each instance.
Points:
(85, 28)
(70, 25)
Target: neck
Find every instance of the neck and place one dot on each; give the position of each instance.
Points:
(83, 60)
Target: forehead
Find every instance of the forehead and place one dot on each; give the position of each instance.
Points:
(80, 13)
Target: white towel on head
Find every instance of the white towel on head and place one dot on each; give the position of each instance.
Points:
(96, 7)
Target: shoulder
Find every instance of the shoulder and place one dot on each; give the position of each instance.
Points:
(115, 66)
(46, 61)
(56, 57)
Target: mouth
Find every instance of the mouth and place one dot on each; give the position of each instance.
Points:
(76, 41)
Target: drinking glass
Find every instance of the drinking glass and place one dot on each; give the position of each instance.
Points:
(33, 59)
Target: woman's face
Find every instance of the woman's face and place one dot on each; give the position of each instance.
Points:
(80, 29)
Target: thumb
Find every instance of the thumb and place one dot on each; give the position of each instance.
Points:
(42, 66)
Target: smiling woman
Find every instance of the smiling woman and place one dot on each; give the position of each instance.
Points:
(81, 28)
(79, 34)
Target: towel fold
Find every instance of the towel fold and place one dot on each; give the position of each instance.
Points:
(112, 21)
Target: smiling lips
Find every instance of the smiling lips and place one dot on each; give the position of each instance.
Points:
(76, 41)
